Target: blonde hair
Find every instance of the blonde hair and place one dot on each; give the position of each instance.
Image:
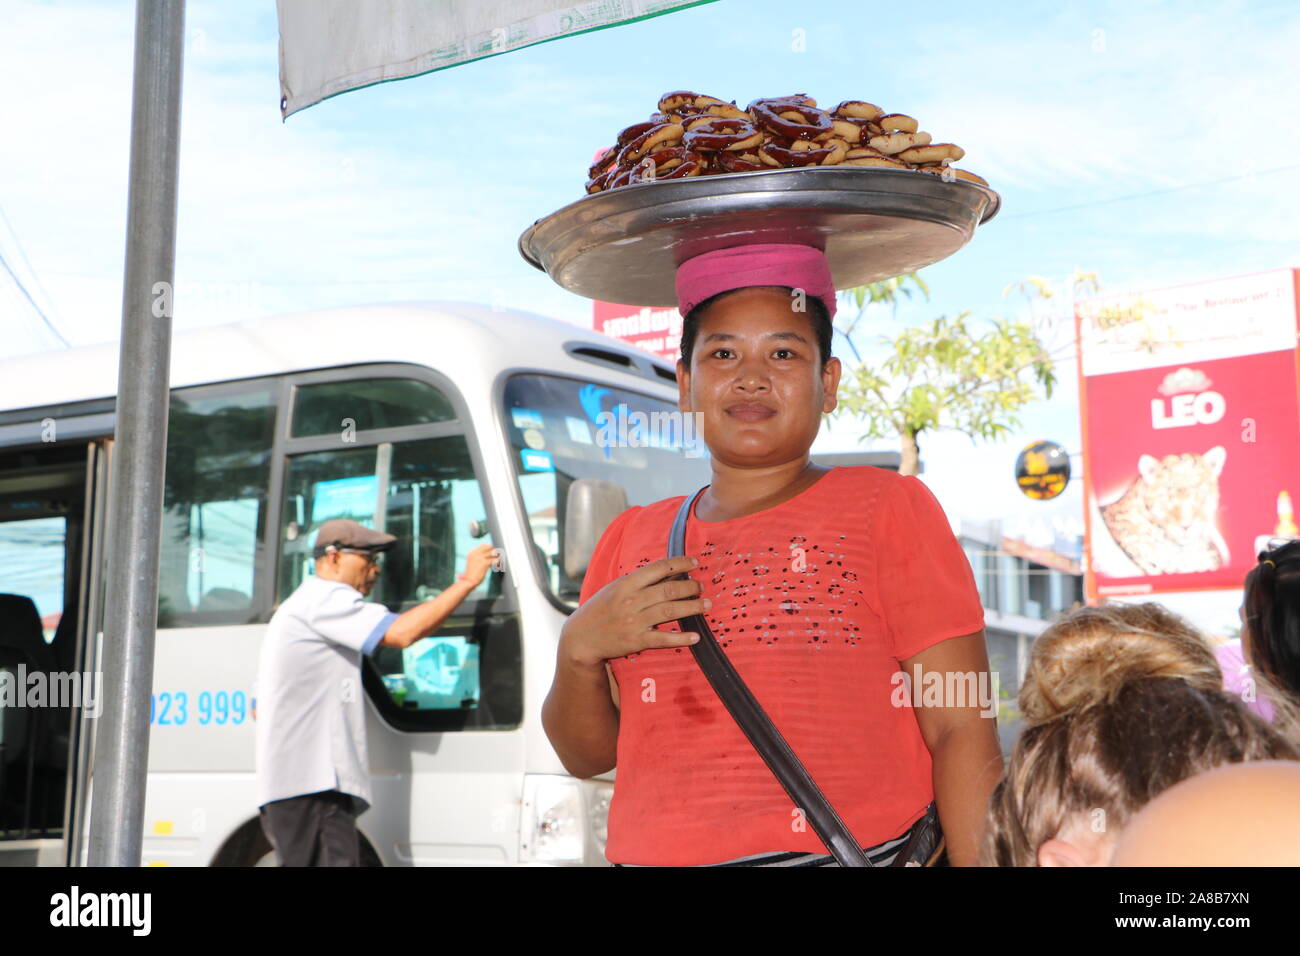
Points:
(1120, 703)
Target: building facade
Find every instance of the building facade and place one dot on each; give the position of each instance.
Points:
(1023, 588)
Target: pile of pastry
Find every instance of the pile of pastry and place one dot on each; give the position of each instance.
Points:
(695, 135)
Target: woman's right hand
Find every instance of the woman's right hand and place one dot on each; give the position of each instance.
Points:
(619, 619)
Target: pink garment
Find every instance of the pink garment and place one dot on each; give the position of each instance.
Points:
(1237, 679)
(820, 603)
(738, 267)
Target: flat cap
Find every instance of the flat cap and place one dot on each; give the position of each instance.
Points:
(343, 533)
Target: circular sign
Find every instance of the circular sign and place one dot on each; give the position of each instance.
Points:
(1043, 470)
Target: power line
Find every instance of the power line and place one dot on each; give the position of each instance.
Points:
(1153, 192)
(26, 262)
(22, 288)
(27, 295)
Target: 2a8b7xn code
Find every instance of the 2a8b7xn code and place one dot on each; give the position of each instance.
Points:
(1192, 896)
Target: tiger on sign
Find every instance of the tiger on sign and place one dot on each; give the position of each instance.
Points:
(1166, 520)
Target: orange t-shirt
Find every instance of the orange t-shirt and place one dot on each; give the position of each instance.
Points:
(816, 601)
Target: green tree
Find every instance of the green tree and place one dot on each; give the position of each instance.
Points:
(943, 375)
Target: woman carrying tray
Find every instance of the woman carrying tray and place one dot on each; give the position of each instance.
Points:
(821, 585)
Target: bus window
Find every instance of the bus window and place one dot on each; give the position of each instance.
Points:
(432, 499)
(437, 673)
(361, 405)
(218, 468)
(32, 563)
(467, 676)
(562, 429)
(42, 505)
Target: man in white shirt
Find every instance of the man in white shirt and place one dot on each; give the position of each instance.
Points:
(313, 776)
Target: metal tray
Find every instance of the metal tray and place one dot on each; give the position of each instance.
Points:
(624, 245)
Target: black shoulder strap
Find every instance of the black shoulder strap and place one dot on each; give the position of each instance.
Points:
(758, 727)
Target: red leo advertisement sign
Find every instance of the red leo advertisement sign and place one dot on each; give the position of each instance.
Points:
(1190, 400)
(658, 330)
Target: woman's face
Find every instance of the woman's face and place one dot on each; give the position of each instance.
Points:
(754, 377)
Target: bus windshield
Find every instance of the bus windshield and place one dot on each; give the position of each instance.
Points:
(563, 429)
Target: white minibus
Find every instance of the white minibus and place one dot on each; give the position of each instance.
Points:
(445, 424)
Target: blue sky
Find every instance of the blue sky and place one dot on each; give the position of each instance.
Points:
(1153, 143)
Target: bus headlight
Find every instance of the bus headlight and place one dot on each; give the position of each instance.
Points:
(554, 825)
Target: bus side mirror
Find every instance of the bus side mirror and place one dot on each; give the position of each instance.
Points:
(592, 504)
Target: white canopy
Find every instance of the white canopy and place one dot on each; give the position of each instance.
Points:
(332, 46)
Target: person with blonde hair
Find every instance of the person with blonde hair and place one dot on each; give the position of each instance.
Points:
(1120, 703)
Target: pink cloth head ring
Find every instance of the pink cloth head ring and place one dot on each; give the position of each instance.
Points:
(738, 267)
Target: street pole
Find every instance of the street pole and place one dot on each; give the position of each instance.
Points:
(140, 440)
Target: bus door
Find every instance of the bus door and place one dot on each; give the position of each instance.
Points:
(444, 737)
(51, 520)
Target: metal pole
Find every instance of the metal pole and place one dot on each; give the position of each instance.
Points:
(135, 518)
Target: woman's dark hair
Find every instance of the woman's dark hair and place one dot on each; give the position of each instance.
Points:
(1272, 612)
(821, 325)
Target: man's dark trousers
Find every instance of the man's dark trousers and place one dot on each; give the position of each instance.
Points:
(315, 829)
